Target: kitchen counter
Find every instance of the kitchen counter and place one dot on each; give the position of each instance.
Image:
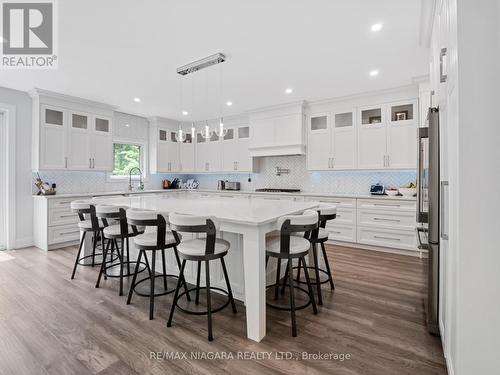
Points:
(244, 192)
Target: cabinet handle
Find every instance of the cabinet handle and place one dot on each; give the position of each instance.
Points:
(386, 205)
(90, 163)
(93, 163)
(444, 235)
(329, 162)
(65, 162)
(442, 65)
(72, 232)
(382, 219)
(388, 161)
(387, 238)
(71, 215)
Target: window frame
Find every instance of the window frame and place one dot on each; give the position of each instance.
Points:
(143, 164)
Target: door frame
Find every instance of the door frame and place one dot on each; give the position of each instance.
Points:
(9, 118)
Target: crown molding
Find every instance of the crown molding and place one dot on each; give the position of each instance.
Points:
(362, 95)
(37, 92)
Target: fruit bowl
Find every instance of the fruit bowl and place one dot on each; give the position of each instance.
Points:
(408, 192)
(391, 192)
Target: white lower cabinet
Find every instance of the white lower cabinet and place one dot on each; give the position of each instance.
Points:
(387, 238)
(55, 225)
(343, 227)
(386, 223)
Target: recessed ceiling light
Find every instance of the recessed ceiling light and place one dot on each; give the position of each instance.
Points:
(374, 73)
(229, 103)
(185, 113)
(377, 26)
(127, 125)
(288, 90)
(137, 100)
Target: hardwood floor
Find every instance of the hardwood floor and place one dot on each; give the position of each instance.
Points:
(52, 325)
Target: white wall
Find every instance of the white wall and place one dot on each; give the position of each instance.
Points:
(24, 206)
(477, 270)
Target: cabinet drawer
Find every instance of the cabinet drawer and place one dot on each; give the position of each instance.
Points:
(382, 204)
(387, 238)
(404, 220)
(344, 216)
(63, 233)
(339, 202)
(56, 203)
(62, 216)
(341, 233)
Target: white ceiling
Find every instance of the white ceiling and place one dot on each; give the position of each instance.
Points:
(115, 50)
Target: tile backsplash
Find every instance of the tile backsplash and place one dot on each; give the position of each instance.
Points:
(355, 182)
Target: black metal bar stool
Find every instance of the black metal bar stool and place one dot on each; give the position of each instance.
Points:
(320, 236)
(200, 250)
(289, 247)
(88, 223)
(158, 238)
(121, 231)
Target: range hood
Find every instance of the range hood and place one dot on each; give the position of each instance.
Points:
(278, 131)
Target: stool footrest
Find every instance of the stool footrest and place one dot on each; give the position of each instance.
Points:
(191, 312)
(295, 288)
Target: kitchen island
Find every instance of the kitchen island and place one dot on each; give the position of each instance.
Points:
(244, 223)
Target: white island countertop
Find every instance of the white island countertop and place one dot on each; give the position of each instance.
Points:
(243, 192)
(242, 211)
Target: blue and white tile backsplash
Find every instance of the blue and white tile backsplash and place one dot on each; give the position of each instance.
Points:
(354, 182)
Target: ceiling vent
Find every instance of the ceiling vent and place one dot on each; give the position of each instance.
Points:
(201, 64)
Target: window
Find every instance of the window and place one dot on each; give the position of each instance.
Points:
(126, 157)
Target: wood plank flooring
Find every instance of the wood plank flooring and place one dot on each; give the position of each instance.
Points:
(50, 324)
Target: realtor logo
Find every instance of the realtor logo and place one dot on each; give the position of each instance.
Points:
(28, 35)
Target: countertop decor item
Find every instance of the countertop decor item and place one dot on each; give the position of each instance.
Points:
(408, 192)
(44, 188)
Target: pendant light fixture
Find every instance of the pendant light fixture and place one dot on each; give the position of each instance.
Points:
(180, 135)
(221, 132)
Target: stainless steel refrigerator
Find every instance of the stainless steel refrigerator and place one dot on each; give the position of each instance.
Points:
(428, 206)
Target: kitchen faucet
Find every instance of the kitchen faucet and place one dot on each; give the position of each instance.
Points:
(141, 185)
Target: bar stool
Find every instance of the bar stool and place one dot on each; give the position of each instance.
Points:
(320, 236)
(200, 250)
(88, 223)
(158, 238)
(113, 232)
(289, 247)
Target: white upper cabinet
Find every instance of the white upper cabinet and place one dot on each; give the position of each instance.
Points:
(277, 131)
(79, 141)
(102, 141)
(51, 141)
(387, 136)
(201, 152)
(70, 133)
(235, 156)
(344, 139)
(214, 153)
(229, 150)
(372, 147)
(331, 141)
(187, 154)
(402, 135)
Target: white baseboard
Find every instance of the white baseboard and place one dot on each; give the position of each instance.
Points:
(23, 242)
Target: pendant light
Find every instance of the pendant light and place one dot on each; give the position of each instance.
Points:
(180, 135)
(221, 132)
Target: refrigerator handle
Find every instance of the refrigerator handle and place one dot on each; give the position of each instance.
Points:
(444, 236)
(422, 133)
